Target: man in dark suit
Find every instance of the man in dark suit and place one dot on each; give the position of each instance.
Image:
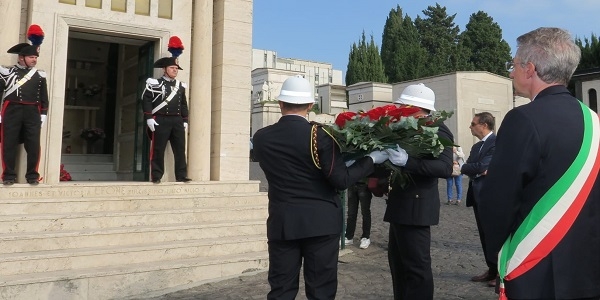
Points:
(413, 209)
(476, 167)
(305, 170)
(542, 207)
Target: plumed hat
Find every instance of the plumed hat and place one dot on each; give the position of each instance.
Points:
(36, 35)
(176, 48)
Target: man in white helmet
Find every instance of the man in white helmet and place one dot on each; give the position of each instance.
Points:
(413, 209)
(305, 170)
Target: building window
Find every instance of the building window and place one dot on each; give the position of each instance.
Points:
(165, 9)
(93, 3)
(316, 78)
(142, 7)
(593, 97)
(274, 61)
(67, 1)
(330, 79)
(118, 5)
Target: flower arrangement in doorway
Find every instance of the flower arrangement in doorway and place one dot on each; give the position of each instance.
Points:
(92, 134)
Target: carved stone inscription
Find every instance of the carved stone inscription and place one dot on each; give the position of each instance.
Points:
(103, 191)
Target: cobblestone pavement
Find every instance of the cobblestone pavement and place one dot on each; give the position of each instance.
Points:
(364, 273)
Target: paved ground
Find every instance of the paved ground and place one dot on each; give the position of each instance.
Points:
(364, 274)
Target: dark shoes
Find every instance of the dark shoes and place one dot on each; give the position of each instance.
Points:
(12, 181)
(184, 179)
(486, 276)
(156, 181)
(492, 283)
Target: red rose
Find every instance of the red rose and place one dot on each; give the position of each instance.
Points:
(404, 111)
(341, 119)
(376, 113)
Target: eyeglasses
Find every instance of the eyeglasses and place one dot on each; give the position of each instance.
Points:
(510, 65)
(475, 124)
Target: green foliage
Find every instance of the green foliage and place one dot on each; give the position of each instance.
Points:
(401, 51)
(364, 63)
(590, 52)
(482, 46)
(439, 37)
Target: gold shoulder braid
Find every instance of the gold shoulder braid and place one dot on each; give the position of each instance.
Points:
(313, 146)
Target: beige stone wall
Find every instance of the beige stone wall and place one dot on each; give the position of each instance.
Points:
(232, 46)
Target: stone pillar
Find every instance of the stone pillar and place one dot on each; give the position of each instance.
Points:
(200, 92)
(9, 31)
(231, 86)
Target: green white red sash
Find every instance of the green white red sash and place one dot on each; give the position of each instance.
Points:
(554, 214)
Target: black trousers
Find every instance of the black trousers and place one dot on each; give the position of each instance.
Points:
(169, 129)
(491, 259)
(21, 123)
(359, 193)
(320, 255)
(410, 262)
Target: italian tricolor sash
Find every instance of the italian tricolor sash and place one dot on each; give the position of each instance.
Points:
(554, 214)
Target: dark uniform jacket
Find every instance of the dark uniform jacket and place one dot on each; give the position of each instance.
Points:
(158, 90)
(478, 162)
(303, 200)
(34, 91)
(419, 202)
(536, 144)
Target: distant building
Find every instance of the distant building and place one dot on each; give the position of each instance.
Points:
(587, 85)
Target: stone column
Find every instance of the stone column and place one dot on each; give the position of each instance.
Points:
(232, 40)
(9, 31)
(200, 92)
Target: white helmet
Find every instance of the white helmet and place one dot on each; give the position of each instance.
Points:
(418, 95)
(296, 90)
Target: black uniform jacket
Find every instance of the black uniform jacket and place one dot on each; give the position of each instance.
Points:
(34, 91)
(419, 202)
(478, 162)
(157, 91)
(536, 143)
(303, 199)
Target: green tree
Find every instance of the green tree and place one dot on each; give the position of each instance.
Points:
(364, 63)
(401, 52)
(482, 46)
(590, 52)
(439, 37)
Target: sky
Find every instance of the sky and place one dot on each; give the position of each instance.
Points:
(324, 31)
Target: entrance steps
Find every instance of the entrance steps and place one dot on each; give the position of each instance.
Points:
(115, 240)
(90, 167)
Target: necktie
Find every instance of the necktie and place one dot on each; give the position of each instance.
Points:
(478, 146)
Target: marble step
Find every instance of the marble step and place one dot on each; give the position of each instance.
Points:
(76, 259)
(133, 202)
(99, 220)
(73, 189)
(94, 175)
(126, 236)
(90, 167)
(68, 159)
(127, 281)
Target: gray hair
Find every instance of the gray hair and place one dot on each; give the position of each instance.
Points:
(552, 51)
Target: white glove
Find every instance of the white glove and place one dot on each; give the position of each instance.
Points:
(185, 125)
(398, 156)
(350, 162)
(151, 123)
(379, 156)
(44, 117)
(0, 119)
